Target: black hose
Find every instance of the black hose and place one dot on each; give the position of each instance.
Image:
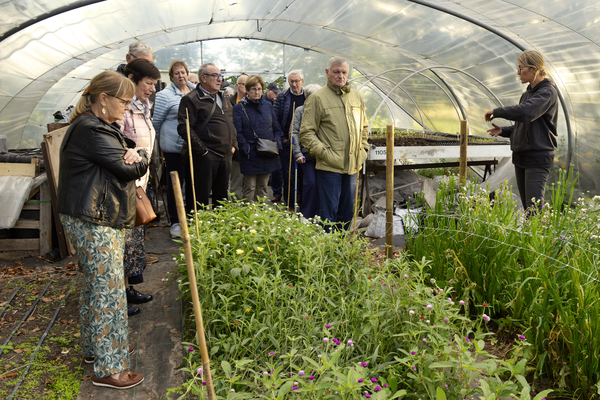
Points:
(26, 316)
(13, 296)
(39, 345)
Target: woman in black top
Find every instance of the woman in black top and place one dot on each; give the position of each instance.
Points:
(96, 202)
(533, 137)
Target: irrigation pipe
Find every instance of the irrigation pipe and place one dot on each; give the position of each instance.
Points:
(27, 314)
(189, 260)
(13, 296)
(39, 345)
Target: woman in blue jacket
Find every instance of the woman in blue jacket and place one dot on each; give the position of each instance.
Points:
(253, 118)
(533, 137)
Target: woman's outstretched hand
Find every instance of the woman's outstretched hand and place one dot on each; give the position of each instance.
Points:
(489, 115)
(495, 131)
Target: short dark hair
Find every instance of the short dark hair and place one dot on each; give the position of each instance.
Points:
(141, 68)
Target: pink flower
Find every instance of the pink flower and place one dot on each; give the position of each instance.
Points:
(486, 318)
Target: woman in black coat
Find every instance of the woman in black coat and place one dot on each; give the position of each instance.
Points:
(253, 119)
(533, 137)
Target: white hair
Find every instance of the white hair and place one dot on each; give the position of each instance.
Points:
(296, 72)
(336, 61)
(310, 89)
(139, 48)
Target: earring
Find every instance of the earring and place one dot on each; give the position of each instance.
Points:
(103, 110)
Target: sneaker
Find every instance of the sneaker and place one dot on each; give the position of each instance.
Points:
(90, 360)
(175, 231)
(151, 259)
(125, 380)
(135, 297)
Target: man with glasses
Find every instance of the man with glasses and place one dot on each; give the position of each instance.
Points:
(240, 86)
(213, 138)
(285, 105)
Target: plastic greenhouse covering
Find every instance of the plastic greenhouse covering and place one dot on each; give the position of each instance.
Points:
(464, 51)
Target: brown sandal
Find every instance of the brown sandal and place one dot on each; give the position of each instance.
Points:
(125, 380)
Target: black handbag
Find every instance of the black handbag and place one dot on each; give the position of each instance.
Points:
(264, 147)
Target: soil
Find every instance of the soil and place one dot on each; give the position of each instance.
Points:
(57, 368)
(413, 138)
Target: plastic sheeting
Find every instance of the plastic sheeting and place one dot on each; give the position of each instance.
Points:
(45, 64)
(14, 191)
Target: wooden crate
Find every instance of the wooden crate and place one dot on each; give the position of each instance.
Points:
(17, 248)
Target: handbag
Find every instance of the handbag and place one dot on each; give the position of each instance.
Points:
(144, 212)
(264, 147)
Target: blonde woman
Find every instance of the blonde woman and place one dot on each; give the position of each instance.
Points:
(96, 204)
(533, 137)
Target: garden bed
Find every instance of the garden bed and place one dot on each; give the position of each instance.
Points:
(404, 138)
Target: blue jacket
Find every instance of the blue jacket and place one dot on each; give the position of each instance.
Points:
(281, 108)
(165, 118)
(260, 114)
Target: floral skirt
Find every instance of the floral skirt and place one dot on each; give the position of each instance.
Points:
(134, 258)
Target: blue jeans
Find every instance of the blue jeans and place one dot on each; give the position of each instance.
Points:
(310, 193)
(336, 198)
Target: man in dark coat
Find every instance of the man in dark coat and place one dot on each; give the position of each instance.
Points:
(213, 138)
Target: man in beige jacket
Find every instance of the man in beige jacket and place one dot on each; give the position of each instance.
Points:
(335, 130)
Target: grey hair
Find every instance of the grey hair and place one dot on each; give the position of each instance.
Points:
(310, 89)
(141, 48)
(297, 72)
(204, 69)
(336, 61)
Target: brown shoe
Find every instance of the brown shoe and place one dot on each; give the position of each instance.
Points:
(90, 360)
(124, 380)
(151, 259)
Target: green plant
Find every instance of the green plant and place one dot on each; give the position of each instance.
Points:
(280, 296)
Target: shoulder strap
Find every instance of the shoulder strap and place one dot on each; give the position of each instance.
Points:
(248, 118)
(212, 111)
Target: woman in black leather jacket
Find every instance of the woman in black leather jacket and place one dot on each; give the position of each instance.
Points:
(96, 202)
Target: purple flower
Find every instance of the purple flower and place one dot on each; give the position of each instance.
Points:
(446, 320)
(385, 385)
(405, 276)
(367, 395)
(414, 367)
(325, 340)
(311, 377)
(374, 380)
(412, 353)
(522, 337)
(467, 339)
(424, 340)
(191, 348)
(486, 318)
(265, 373)
(364, 364)
(377, 388)
(350, 343)
(429, 306)
(204, 383)
(199, 371)
(360, 380)
(462, 303)
(411, 312)
(271, 352)
(301, 373)
(328, 326)
(294, 387)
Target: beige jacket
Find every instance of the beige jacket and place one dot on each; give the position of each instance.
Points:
(330, 129)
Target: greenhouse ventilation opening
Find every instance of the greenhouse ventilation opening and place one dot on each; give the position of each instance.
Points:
(49, 51)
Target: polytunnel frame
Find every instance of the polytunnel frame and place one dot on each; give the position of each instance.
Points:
(419, 72)
(518, 45)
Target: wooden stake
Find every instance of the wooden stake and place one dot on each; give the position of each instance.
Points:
(291, 137)
(389, 193)
(189, 138)
(189, 260)
(464, 129)
(358, 148)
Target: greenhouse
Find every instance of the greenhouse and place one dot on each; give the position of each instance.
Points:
(420, 66)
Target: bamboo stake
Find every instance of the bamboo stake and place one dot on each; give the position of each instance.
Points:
(462, 174)
(189, 138)
(189, 260)
(389, 193)
(291, 148)
(358, 148)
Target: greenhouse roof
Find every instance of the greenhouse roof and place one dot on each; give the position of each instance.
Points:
(49, 50)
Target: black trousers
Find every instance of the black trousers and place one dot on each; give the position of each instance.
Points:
(531, 182)
(211, 173)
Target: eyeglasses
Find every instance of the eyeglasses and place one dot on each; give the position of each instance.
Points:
(255, 89)
(519, 69)
(295, 80)
(125, 102)
(216, 76)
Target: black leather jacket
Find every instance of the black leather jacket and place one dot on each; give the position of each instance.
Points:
(94, 183)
